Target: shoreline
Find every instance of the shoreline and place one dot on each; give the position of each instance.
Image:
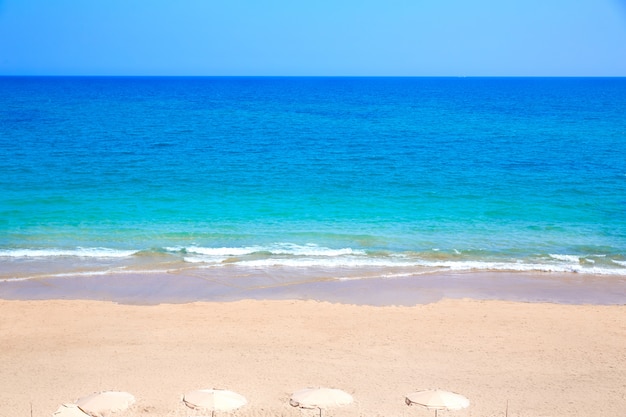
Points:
(542, 359)
(366, 287)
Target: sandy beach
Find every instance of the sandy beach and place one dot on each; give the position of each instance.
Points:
(543, 359)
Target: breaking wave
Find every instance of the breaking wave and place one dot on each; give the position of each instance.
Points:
(66, 261)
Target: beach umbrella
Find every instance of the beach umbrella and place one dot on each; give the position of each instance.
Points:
(320, 398)
(437, 400)
(214, 400)
(102, 404)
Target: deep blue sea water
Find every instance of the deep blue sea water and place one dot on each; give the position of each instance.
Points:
(103, 175)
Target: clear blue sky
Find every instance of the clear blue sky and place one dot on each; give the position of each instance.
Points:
(316, 37)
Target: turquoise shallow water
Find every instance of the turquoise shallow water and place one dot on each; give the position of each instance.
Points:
(401, 175)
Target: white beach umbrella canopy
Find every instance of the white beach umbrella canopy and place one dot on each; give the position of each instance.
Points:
(321, 398)
(437, 400)
(102, 404)
(214, 400)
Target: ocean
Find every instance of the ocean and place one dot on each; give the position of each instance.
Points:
(326, 177)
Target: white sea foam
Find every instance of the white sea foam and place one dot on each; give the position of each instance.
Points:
(566, 258)
(336, 262)
(222, 251)
(523, 267)
(386, 276)
(316, 256)
(58, 275)
(274, 249)
(311, 250)
(205, 259)
(113, 271)
(451, 265)
(77, 252)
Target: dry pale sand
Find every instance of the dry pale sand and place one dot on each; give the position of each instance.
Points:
(544, 359)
